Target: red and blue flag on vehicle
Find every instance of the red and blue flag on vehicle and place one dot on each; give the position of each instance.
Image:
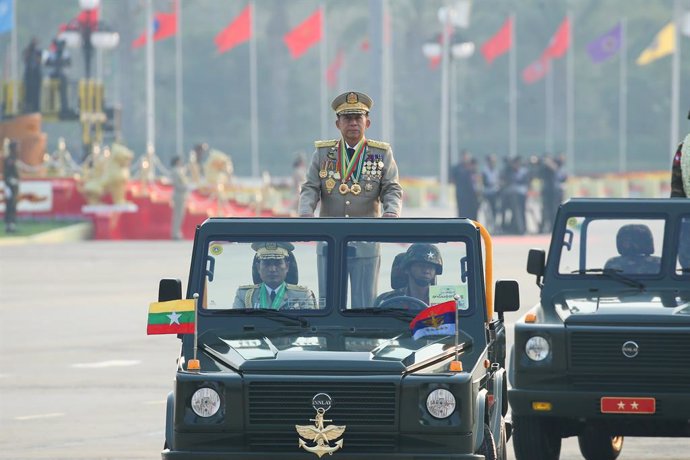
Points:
(436, 320)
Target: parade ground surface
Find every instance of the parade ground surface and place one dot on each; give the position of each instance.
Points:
(79, 377)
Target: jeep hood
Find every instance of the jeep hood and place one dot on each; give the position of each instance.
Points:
(625, 306)
(326, 352)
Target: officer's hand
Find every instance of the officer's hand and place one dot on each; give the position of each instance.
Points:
(389, 214)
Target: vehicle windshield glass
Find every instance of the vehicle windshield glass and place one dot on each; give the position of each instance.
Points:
(683, 259)
(406, 275)
(625, 246)
(276, 275)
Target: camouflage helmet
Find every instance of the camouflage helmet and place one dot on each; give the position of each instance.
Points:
(424, 252)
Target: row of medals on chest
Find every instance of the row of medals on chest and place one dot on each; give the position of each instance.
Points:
(370, 169)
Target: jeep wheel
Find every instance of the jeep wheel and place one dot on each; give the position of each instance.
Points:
(534, 439)
(599, 446)
(488, 447)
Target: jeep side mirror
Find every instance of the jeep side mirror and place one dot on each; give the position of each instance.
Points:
(169, 289)
(536, 262)
(506, 296)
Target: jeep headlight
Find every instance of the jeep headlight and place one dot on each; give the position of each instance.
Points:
(205, 402)
(537, 348)
(440, 403)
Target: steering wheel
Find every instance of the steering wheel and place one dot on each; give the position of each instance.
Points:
(404, 302)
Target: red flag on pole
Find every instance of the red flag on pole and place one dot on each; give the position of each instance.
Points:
(334, 68)
(89, 18)
(164, 26)
(302, 37)
(236, 33)
(560, 41)
(536, 70)
(500, 43)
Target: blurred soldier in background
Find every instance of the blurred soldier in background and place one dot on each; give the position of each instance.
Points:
(33, 76)
(491, 182)
(353, 177)
(464, 176)
(11, 189)
(179, 198)
(680, 171)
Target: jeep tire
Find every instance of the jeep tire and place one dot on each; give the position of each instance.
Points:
(535, 439)
(595, 445)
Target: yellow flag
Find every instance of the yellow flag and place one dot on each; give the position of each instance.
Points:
(664, 43)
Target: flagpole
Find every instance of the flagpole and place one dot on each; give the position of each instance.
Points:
(179, 124)
(193, 364)
(150, 89)
(548, 82)
(570, 100)
(443, 151)
(386, 75)
(15, 60)
(322, 75)
(254, 105)
(512, 89)
(675, 76)
(623, 100)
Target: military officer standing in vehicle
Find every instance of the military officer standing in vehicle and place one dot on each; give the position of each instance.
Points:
(680, 172)
(272, 263)
(353, 177)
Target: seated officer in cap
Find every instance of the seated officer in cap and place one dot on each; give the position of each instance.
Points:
(353, 176)
(274, 264)
(420, 265)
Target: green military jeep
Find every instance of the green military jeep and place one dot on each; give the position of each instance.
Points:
(284, 362)
(606, 352)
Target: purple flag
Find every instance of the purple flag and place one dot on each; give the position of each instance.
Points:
(606, 46)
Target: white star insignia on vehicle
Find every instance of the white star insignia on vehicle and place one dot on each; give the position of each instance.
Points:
(621, 405)
(174, 318)
(634, 405)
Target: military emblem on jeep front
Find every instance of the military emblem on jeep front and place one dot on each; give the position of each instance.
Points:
(319, 434)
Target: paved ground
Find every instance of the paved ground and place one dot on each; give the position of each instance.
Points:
(80, 379)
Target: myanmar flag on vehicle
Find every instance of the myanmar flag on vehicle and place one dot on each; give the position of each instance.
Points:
(436, 320)
(173, 317)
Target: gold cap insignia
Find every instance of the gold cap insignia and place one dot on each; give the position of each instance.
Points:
(352, 98)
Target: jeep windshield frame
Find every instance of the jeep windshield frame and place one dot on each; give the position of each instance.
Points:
(332, 236)
(672, 221)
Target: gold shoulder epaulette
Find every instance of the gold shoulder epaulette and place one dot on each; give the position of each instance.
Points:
(297, 287)
(329, 143)
(379, 144)
(248, 286)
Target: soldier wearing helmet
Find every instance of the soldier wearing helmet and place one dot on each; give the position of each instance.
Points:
(420, 266)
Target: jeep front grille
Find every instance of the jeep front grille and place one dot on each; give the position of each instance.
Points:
(602, 352)
(290, 402)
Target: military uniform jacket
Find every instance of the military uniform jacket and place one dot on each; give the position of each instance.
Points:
(680, 173)
(296, 297)
(379, 184)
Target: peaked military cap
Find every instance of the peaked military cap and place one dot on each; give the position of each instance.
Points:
(352, 102)
(273, 249)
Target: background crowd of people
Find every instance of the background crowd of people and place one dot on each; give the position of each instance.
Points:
(497, 194)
